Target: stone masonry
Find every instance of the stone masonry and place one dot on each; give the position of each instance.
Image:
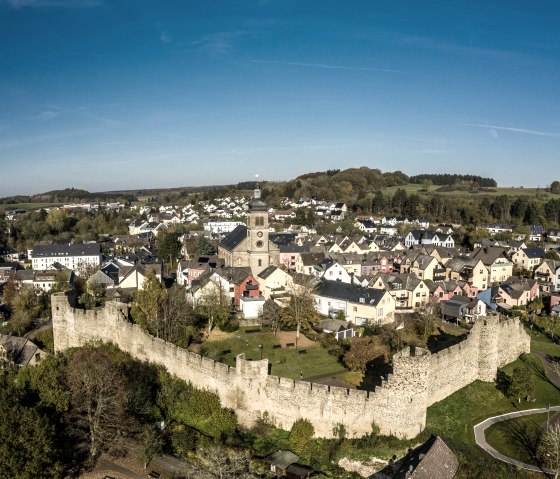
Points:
(398, 407)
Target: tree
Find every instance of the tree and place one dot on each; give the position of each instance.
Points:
(214, 305)
(522, 384)
(204, 246)
(301, 433)
(428, 315)
(548, 450)
(152, 443)
(225, 463)
(361, 352)
(300, 312)
(169, 248)
(271, 314)
(147, 309)
(28, 449)
(555, 187)
(98, 398)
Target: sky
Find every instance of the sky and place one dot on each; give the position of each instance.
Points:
(113, 94)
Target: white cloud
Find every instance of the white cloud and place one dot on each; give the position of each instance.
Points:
(524, 131)
(493, 133)
(327, 66)
(165, 37)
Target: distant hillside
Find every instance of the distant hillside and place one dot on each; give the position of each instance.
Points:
(68, 195)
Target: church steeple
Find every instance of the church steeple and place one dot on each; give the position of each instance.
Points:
(257, 232)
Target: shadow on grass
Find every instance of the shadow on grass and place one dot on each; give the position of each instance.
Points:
(524, 437)
(539, 369)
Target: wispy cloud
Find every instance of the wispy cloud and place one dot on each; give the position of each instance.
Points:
(46, 115)
(50, 3)
(54, 112)
(493, 133)
(165, 37)
(219, 42)
(327, 66)
(524, 131)
(443, 46)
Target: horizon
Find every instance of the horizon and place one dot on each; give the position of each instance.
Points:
(112, 96)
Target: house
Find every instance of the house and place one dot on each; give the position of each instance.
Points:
(306, 263)
(359, 305)
(289, 253)
(536, 233)
(497, 228)
(516, 292)
(471, 270)
(460, 308)
(427, 268)
(548, 273)
(426, 237)
(275, 283)
(367, 226)
(431, 460)
(284, 464)
(408, 291)
(16, 352)
(188, 271)
(8, 270)
(498, 264)
(78, 257)
(340, 329)
(528, 258)
(133, 277)
(335, 272)
(553, 235)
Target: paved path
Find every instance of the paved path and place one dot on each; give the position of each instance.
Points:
(480, 438)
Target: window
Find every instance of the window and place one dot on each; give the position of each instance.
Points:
(260, 262)
(355, 308)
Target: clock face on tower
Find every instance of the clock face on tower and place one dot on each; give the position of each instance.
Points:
(259, 234)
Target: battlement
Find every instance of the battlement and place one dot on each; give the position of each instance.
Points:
(398, 406)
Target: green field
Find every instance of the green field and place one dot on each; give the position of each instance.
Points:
(284, 362)
(26, 206)
(509, 191)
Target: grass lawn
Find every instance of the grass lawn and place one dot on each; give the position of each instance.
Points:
(285, 362)
(517, 438)
(454, 418)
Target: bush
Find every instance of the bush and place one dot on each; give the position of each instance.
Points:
(301, 433)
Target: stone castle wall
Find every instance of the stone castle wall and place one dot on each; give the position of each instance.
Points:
(398, 407)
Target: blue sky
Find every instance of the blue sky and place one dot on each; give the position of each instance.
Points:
(109, 94)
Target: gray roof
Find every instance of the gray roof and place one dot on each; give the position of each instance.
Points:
(282, 458)
(19, 350)
(348, 292)
(431, 460)
(62, 250)
(233, 239)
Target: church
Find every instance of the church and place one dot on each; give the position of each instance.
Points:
(249, 246)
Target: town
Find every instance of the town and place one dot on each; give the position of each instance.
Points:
(341, 295)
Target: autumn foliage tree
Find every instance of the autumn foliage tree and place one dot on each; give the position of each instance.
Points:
(361, 352)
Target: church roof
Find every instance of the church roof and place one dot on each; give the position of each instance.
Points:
(257, 205)
(233, 239)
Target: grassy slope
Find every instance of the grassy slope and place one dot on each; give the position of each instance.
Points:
(454, 418)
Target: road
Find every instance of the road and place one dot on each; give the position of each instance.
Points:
(480, 437)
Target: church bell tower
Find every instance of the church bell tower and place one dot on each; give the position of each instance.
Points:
(257, 233)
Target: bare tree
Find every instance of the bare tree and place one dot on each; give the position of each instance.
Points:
(225, 463)
(98, 398)
(300, 311)
(214, 305)
(549, 449)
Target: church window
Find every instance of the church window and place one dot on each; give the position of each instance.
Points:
(259, 221)
(260, 262)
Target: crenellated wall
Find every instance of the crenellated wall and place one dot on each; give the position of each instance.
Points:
(398, 407)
